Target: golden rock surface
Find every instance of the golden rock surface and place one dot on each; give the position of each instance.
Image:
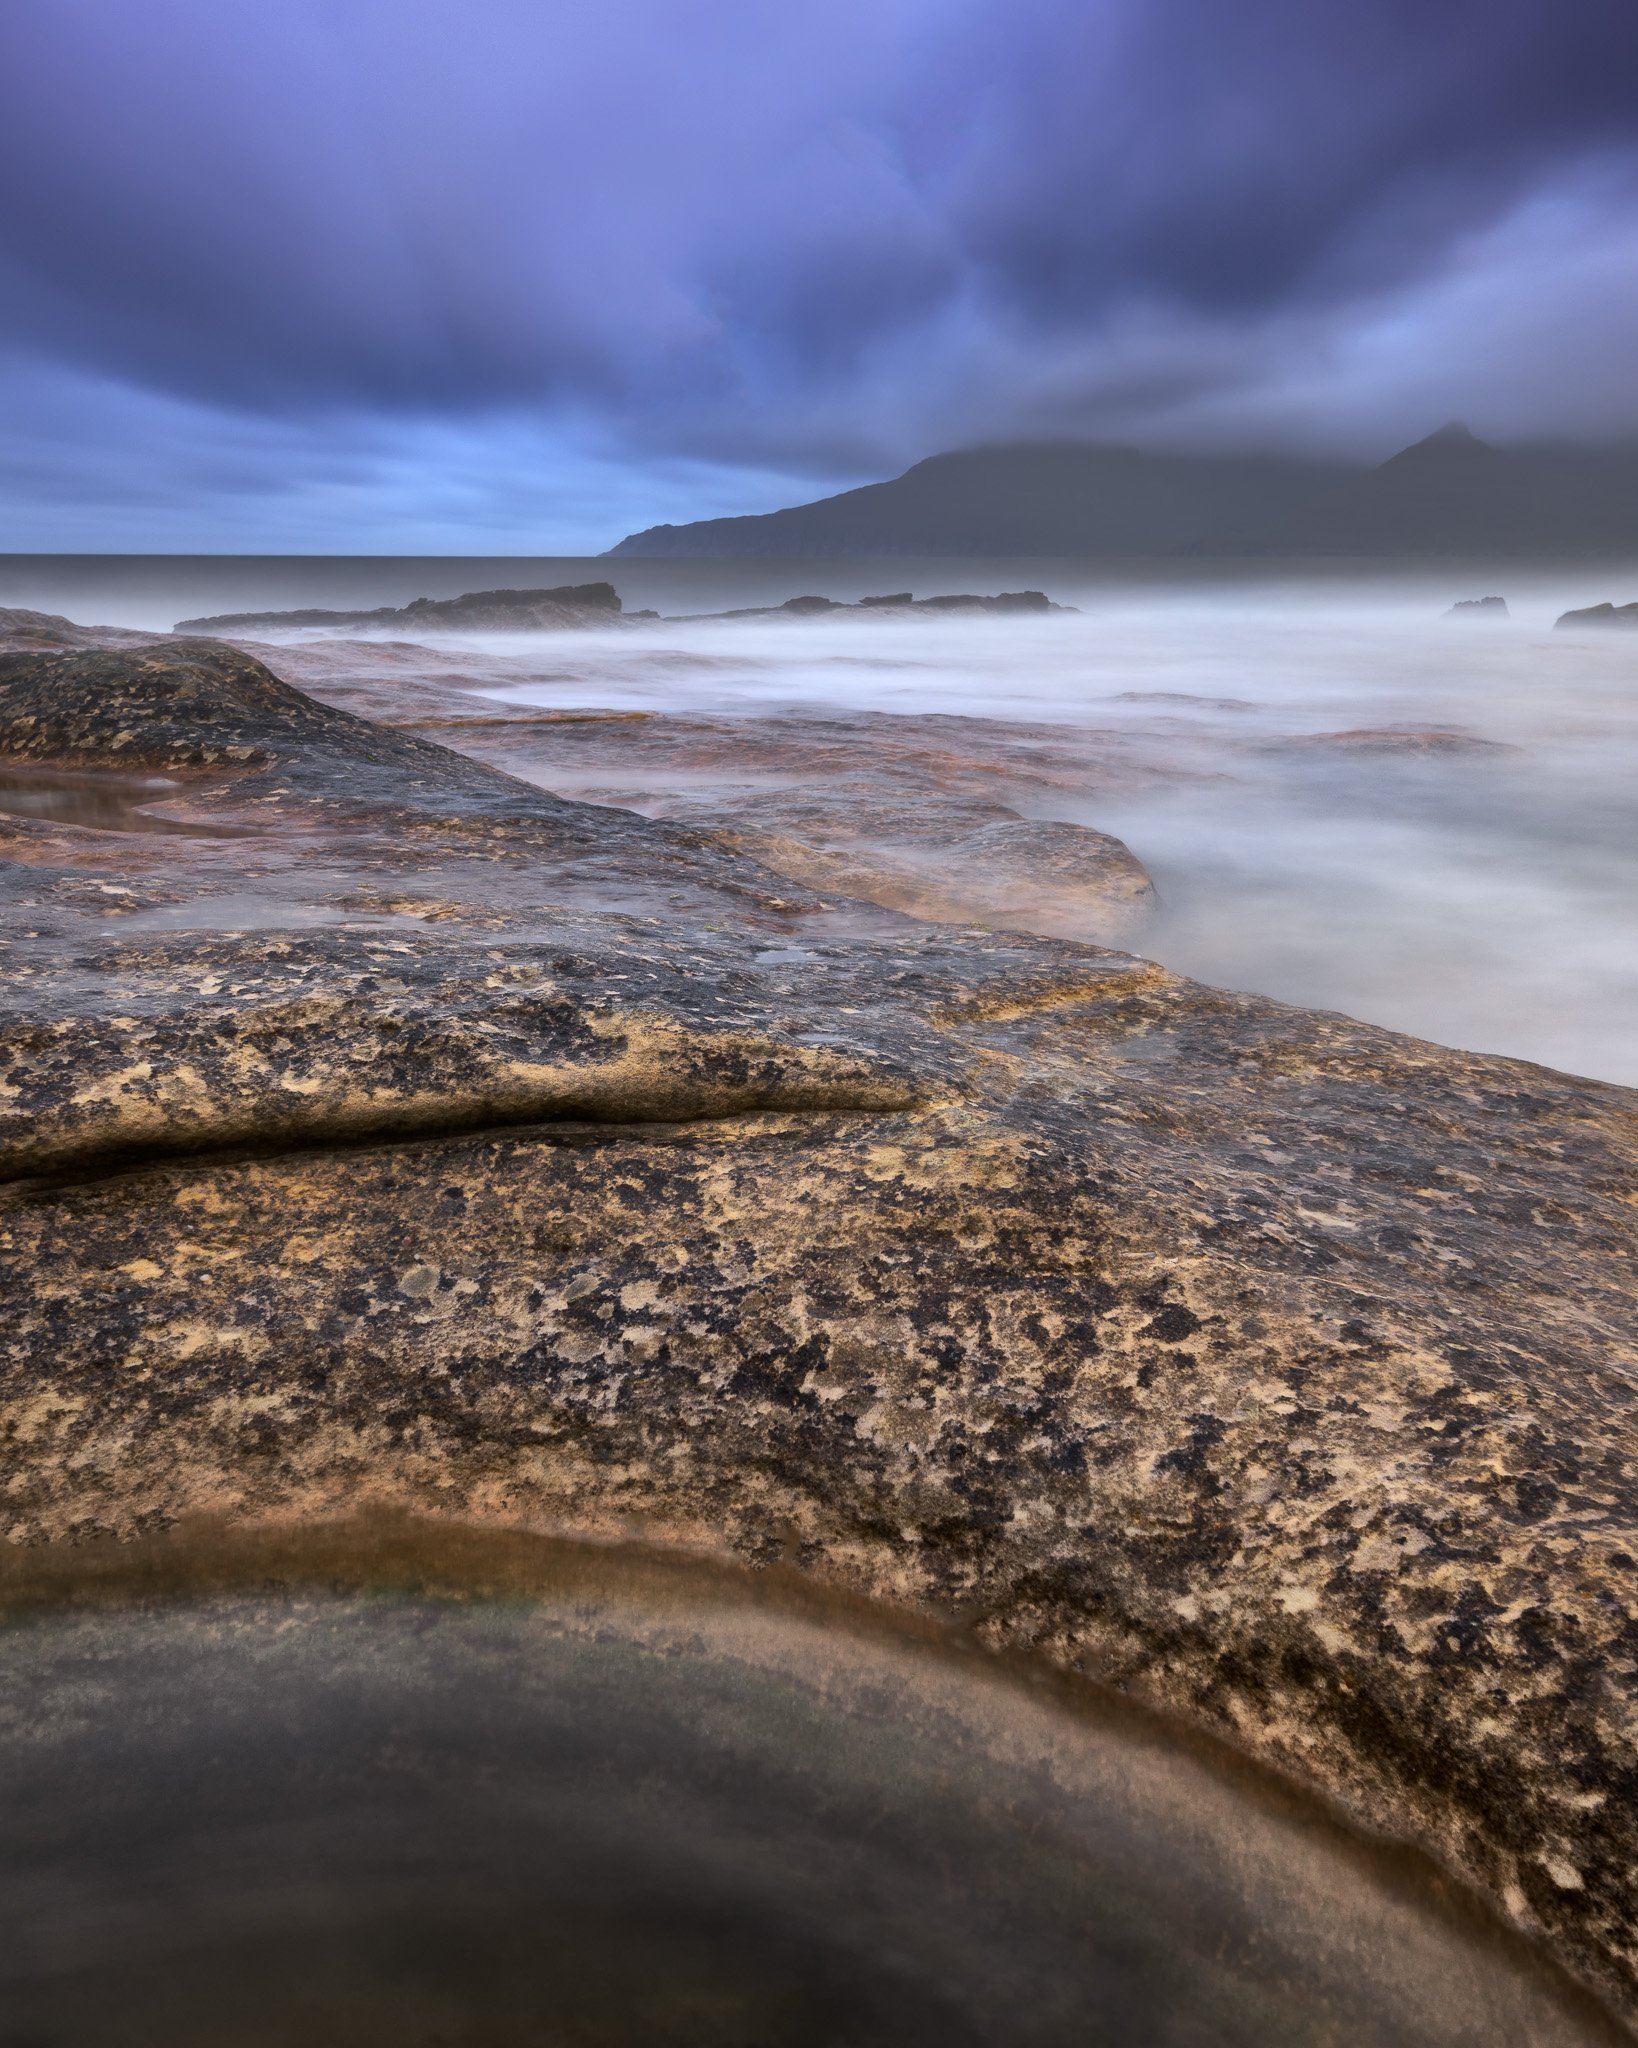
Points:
(391, 1134)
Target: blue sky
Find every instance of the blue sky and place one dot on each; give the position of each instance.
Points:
(377, 275)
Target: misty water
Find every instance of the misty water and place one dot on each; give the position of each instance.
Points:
(1479, 888)
(1472, 877)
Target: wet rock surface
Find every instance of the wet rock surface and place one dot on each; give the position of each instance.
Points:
(450, 1147)
(953, 858)
(906, 813)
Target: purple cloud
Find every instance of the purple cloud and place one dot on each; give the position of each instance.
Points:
(807, 241)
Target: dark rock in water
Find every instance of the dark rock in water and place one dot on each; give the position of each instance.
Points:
(1477, 607)
(484, 604)
(803, 607)
(1602, 615)
(1004, 601)
(486, 611)
(448, 1149)
(1404, 740)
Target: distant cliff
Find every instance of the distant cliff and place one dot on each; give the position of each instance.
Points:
(1450, 494)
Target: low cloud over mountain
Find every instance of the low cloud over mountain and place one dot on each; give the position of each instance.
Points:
(522, 272)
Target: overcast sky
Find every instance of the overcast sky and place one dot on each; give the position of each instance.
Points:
(488, 275)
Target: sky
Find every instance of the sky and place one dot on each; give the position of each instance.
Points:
(445, 276)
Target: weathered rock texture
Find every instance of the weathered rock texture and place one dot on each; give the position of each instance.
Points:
(450, 1147)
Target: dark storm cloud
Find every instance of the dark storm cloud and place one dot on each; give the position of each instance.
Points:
(1231, 156)
(821, 237)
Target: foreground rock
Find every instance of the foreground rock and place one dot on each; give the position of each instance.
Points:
(448, 1147)
(479, 611)
(28, 632)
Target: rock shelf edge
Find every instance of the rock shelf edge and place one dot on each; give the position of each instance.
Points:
(1271, 1368)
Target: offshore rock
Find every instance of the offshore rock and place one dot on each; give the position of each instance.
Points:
(1601, 615)
(479, 611)
(1003, 602)
(447, 1147)
(1409, 740)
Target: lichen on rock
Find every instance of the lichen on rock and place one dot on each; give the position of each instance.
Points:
(1271, 1367)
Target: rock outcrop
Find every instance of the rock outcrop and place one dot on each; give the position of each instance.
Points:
(1601, 615)
(28, 632)
(449, 1147)
(1004, 602)
(1478, 608)
(479, 611)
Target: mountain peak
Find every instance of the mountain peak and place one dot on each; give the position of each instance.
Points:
(1450, 494)
(1454, 438)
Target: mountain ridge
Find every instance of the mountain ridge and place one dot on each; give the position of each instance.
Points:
(1447, 494)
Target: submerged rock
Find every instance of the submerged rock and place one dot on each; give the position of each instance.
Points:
(936, 856)
(1388, 739)
(451, 1148)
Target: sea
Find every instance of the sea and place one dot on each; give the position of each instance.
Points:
(1348, 797)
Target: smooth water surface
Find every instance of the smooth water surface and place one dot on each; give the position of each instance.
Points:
(601, 1820)
(100, 802)
(1346, 799)
(1481, 891)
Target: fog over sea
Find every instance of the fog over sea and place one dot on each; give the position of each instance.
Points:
(1477, 885)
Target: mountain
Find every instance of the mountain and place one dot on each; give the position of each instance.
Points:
(1454, 494)
(1451, 494)
(1034, 498)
